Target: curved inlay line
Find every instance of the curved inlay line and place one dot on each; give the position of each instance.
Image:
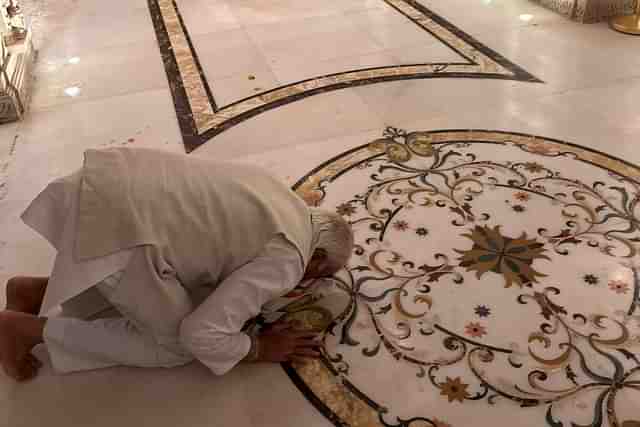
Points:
(468, 329)
(200, 118)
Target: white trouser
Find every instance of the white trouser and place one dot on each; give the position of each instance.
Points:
(152, 304)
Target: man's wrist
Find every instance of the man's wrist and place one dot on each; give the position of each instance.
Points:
(254, 351)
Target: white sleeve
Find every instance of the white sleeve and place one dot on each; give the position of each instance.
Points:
(212, 333)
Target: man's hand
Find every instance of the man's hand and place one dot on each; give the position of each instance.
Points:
(282, 343)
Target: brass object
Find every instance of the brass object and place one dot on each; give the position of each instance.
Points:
(313, 319)
(629, 24)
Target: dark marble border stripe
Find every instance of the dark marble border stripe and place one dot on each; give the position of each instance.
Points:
(311, 397)
(205, 82)
(190, 136)
(207, 135)
(501, 132)
(519, 73)
(193, 139)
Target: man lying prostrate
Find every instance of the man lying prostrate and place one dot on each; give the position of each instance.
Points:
(185, 249)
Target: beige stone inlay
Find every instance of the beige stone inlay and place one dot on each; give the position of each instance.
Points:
(206, 118)
(546, 146)
(336, 396)
(485, 65)
(324, 384)
(201, 108)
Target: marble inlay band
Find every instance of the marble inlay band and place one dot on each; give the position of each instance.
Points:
(190, 72)
(201, 119)
(495, 277)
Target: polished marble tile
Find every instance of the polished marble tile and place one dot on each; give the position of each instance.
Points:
(6, 389)
(489, 15)
(308, 154)
(418, 99)
(22, 252)
(338, 43)
(8, 132)
(562, 118)
(390, 28)
(534, 118)
(272, 11)
(228, 53)
(27, 255)
(601, 118)
(13, 234)
(327, 115)
(271, 390)
(188, 395)
(112, 71)
(294, 30)
(317, 48)
(579, 116)
(421, 53)
(139, 118)
(207, 16)
(114, 120)
(611, 105)
(404, 101)
(286, 61)
(210, 122)
(71, 13)
(310, 70)
(227, 90)
(99, 31)
(566, 62)
(50, 17)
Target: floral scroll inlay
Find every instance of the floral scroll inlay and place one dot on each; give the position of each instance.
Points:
(528, 315)
(510, 257)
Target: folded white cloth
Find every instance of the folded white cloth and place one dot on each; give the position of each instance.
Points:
(54, 214)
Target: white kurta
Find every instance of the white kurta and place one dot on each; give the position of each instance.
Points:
(53, 214)
(163, 326)
(206, 218)
(167, 322)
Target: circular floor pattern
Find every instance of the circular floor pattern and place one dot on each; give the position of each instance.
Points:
(494, 281)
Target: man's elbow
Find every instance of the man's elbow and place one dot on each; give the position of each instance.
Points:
(190, 335)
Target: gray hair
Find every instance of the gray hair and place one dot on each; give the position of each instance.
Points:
(333, 234)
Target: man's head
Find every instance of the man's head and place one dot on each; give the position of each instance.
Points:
(333, 240)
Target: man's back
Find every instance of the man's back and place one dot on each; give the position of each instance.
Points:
(208, 218)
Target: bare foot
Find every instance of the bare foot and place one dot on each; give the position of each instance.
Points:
(25, 294)
(19, 333)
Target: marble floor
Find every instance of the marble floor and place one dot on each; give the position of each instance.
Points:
(484, 151)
